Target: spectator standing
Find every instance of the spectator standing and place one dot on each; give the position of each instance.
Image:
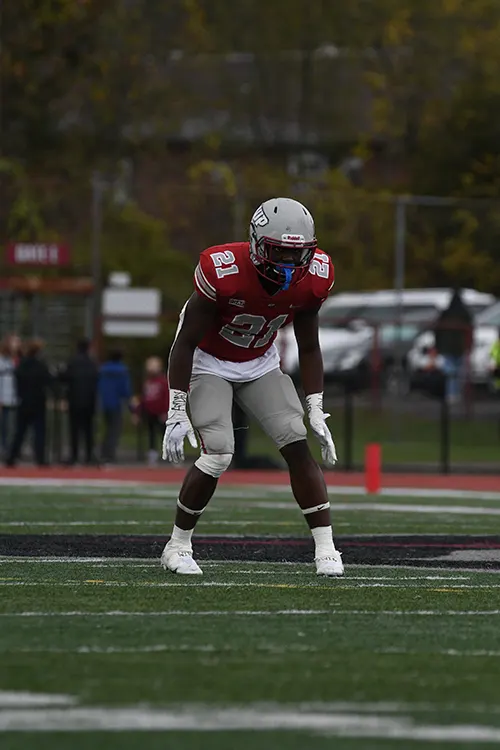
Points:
(453, 332)
(9, 359)
(81, 377)
(33, 382)
(153, 405)
(114, 389)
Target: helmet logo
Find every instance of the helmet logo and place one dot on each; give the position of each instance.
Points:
(259, 218)
(293, 238)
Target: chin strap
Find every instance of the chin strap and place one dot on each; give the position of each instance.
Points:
(287, 268)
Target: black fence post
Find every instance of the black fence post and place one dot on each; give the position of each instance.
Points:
(57, 442)
(445, 433)
(139, 444)
(348, 427)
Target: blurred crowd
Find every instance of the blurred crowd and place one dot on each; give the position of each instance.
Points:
(92, 397)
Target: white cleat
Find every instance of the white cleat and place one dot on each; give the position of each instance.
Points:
(331, 565)
(180, 561)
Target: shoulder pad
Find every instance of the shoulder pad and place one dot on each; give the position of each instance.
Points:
(323, 273)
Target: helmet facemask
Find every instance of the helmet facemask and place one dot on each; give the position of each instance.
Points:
(292, 267)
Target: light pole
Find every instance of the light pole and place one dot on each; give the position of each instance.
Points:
(97, 184)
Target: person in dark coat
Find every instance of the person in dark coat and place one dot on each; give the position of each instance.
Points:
(114, 389)
(33, 383)
(453, 334)
(81, 377)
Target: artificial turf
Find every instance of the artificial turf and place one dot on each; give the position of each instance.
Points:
(390, 656)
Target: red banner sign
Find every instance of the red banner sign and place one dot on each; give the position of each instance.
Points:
(37, 254)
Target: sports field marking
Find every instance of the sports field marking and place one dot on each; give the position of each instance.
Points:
(154, 489)
(176, 613)
(282, 565)
(147, 522)
(102, 564)
(395, 508)
(140, 718)
(439, 652)
(274, 648)
(337, 582)
(9, 698)
(263, 613)
(209, 648)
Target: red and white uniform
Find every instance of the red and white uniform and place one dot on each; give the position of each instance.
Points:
(240, 345)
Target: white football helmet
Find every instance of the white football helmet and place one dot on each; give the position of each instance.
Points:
(282, 240)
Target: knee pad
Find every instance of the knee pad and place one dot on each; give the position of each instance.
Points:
(214, 464)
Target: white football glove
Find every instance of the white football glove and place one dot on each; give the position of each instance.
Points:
(317, 420)
(177, 427)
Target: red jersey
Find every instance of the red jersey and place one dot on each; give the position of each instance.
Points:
(248, 317)
(155, 398)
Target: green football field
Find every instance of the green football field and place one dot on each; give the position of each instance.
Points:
(102, 648)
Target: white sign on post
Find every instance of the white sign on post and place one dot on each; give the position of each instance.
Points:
(131, 312)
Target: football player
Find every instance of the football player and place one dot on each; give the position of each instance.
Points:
(224, 350)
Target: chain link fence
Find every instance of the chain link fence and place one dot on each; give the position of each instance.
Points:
(377, 241)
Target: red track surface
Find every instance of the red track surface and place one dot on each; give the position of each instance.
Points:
(474, 483)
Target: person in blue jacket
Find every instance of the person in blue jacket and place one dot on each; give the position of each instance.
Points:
(114, 389)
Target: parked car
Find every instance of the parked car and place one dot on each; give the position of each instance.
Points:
(347, 322)
(381, 360)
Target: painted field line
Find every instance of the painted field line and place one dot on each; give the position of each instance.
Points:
(395, 508)
(10, 581)
(114, 522)
(263, 613)
(21, 699)
(205, 584)
(78, 483)
(176, 613)
(440, 652)
(102, 564)
(256, 490)
(334, 724)
(125, 561)
(250, 564)
(120, 522)
(208, 648)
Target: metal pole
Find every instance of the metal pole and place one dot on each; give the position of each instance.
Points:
(96, 258)
(400, 254)
(399, 284)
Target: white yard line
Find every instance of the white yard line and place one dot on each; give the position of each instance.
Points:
(395, 508)
(114, 522)
(208, 648)
(176, 613)
(258, 718)
(337, 583)
(120, 522)
(126, 564)
(21, 699)
(440, 652)
(262, 613)
(154, 489)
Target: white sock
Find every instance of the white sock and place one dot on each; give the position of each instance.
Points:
(323, 539)
(181, 536)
